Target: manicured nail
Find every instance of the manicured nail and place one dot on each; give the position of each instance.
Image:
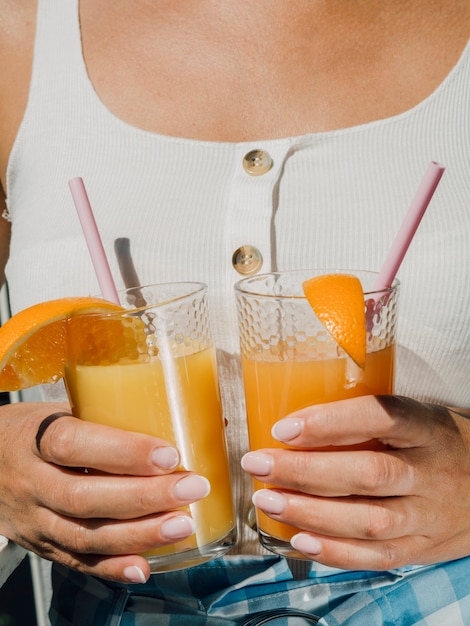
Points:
(306, 544)
(134, 574)
(257, 463)
(192, 487)
(166, 457)
(178, 527)
(287, 429)
(269, 501)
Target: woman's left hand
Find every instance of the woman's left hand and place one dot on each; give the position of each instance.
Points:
(363, 509)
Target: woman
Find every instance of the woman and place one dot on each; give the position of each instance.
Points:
(159, 106)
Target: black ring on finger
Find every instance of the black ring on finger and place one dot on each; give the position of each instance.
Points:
(44, 425)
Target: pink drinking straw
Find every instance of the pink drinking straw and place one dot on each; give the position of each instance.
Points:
(93, 239)
(408, 228)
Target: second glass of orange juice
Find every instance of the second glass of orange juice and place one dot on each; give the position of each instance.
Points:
(151, 368)
(290, 361)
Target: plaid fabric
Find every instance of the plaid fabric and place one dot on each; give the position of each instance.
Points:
(226, 591)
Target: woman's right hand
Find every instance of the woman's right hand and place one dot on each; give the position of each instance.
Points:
(95, 520)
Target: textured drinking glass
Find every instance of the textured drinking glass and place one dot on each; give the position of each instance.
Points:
(152, 369)
(290, 362)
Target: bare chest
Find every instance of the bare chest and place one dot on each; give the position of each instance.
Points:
(263, 71)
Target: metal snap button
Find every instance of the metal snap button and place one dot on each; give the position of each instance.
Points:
(257, 162)
(247, 260)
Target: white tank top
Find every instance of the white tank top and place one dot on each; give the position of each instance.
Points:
(329, 199)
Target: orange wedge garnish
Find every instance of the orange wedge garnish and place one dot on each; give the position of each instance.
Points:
(338, 302)
(33, 343)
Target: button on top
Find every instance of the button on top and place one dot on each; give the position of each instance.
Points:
(257, 162)
(247, 260)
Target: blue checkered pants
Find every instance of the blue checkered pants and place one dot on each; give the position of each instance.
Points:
(225, 592)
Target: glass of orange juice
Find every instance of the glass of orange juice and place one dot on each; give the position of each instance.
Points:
(290, 361)
(151, 368)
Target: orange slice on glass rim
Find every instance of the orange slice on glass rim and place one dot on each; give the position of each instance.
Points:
(33, 343)
(338, 302)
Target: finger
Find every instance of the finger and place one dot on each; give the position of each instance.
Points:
(395, 421)
(123, 569)
(44, 425)
(354, 518)
(107, 537)
(355, 554)
(370, 473)
(72, 442)
(128, 567)
(120, 497)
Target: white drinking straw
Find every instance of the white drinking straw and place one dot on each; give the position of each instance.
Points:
(408, 228)
(93, 240)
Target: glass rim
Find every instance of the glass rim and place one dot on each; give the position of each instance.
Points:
(193, 288)
(240, 289)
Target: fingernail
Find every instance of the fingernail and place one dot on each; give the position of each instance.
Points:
(269, 501)
(306, 544)
(166, 457)
(192, 487)
(287, 429)
(257, 463)
(134, 574)
(178, 527)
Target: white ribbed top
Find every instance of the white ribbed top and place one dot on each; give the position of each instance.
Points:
(331, 199)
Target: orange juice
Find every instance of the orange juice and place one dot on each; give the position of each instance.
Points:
(278, 386)
(304, 341)
(185, 411)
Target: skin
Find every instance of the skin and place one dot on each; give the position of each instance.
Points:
(343, 63)
(386, 513)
